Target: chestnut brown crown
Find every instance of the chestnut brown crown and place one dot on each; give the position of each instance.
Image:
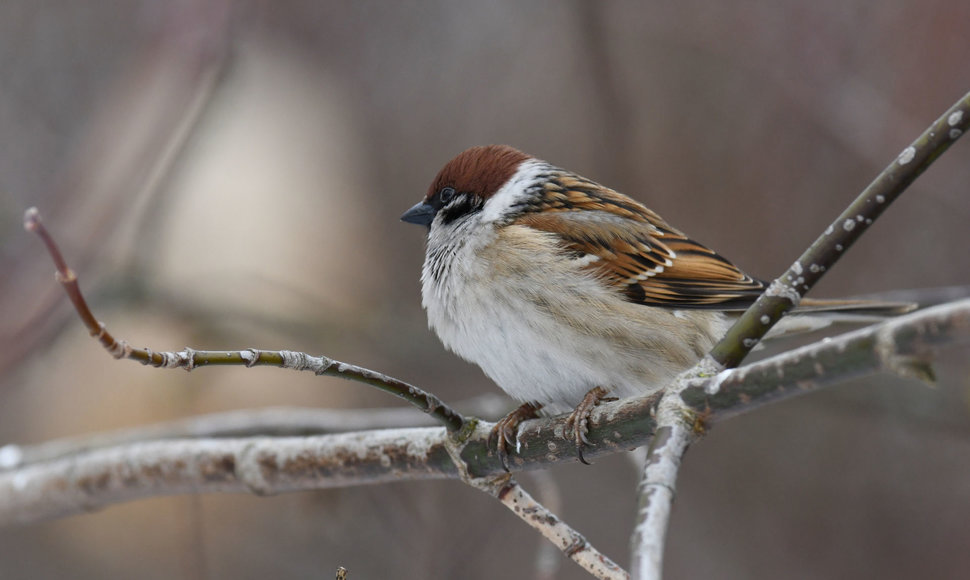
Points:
(480, 171)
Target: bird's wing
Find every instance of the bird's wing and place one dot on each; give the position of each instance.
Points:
(636, 251)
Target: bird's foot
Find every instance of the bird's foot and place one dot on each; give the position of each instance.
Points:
(578, 420)
(506, 429)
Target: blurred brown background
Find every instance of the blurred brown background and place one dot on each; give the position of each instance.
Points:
(230, 174)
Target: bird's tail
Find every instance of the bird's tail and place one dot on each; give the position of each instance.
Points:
(873, 308)
(816, 313)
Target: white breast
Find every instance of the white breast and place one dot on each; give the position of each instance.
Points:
(543, 329)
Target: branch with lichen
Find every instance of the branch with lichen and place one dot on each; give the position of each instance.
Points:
(265, 422)
(112, 473)
(570, 542)
(730, 390)
(90, 479)
(787, 290)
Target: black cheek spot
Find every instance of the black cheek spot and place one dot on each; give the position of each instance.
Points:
(463, 205)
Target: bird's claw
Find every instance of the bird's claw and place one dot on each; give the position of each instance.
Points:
(504, 433)
(578, 420)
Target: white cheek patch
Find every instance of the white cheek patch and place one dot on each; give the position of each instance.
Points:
(515, 190)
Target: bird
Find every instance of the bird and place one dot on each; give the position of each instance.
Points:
(566, 292)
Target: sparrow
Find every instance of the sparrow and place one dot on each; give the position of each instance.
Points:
(563, 290)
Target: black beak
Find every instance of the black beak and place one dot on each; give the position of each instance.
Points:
(421, 214)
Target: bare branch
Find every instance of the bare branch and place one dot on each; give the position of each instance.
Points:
(680, 403)
(190, 359)
(788, 289)
(259, 465)
(560, 534)
(272, 421)
(571, 543)
(657, 491)
(93, 479)
(901, 346)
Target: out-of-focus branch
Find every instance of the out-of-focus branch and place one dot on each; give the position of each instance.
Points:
(148, 112)
(190, 359)
(268, 422)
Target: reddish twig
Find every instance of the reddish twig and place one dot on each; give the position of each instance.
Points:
(189, 359)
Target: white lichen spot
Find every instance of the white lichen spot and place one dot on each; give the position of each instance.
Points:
(714, 386)
(782, 290)
(955, 133)
(954, 118)
(829, 230)
(797, 267)
(868, 221)
(880, 198)
(848, 225)
(749, 342)
(814, 268)
(839, 247)
(860, 218)
(765, 319)
(551, 446)
(10, 456)
(247, 355)
(906, 156)
(385, 460)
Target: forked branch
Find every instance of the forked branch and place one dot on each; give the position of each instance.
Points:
(675, 415)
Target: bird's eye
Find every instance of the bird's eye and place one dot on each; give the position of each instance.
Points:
(446, 194)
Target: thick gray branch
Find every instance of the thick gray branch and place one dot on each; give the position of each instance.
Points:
(97, 478)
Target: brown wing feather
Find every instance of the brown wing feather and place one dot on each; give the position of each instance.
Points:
(635, 250)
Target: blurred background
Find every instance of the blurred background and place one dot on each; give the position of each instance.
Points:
(230, 174)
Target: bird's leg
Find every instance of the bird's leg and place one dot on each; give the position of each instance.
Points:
(578, 420)
(506, 428)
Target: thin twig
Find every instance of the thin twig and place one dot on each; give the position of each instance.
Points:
(190, 359)
(504, 488)
(787, 291)
(782, 295)
(547, 560)
(93, 479)
(572, 544)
